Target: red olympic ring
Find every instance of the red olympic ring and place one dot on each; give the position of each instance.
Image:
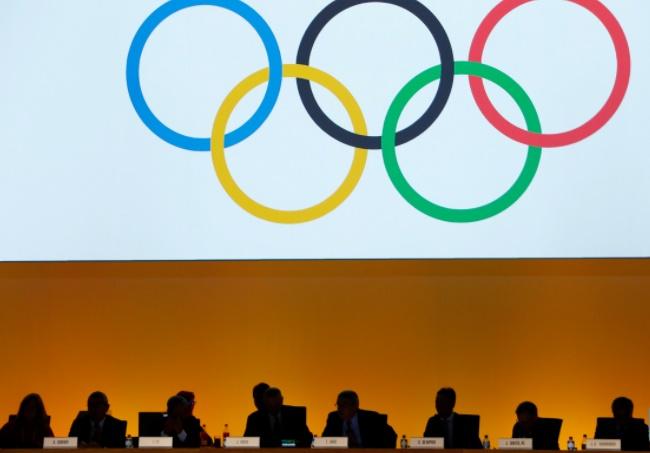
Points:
(623, 70)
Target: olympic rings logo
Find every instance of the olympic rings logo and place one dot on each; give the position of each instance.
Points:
(445, 73)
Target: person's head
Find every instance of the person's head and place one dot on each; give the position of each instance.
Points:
(273, 400)
(622, 408)
(190, 398)
(97, 405)
(177, 407)
(258, 395)
(347, 404)
(445, 401)
(31, 408)
(526, 414)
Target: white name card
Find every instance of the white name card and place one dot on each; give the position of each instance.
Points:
(59, 442)
(515, 444)
(330, 442)
(427, 443)
(156, 442)
(604, 444)
(241, 442)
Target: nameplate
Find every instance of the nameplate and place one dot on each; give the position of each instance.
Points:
(241, 442)
(604, 444)
(156, 442)
(427, 443)
(515, 444)
(59, 442)
(330, 442)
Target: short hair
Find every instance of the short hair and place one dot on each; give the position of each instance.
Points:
(623, 403)
(527, 407)
(349, 396)
(98, 396)
(260, 389)
(448, 392)
(273, 392)
(176, 401)
(189, 396)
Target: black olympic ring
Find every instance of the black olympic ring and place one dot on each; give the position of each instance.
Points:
(430, 115)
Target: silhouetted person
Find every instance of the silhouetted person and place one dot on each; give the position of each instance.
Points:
(364, 429)
(459, 431)
(258, 395)
(177, 423)
(28, 427)
(543, 432)
(277, 422)
(205, 438)
(632, 432)
(95, 428)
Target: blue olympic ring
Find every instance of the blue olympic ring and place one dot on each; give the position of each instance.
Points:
(135, 89)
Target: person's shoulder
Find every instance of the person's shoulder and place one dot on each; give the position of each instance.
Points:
(434, 418)
(113, 420)
(332, 416)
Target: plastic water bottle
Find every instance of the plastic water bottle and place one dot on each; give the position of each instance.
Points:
(128, 443)
(226, 434)
(486, 442)
(403, 443)
(584, 442)
(206, 441)
(571, 444)
(313, 441)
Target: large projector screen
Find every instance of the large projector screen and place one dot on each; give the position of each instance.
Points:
(309, 129)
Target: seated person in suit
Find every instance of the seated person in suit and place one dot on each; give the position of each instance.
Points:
(95, 428)
(206, 439)
(364, 429)
(459, 431)
(530, 426)
(632, 432)
(258, 395)
(185, 430)
(278, 422)
(28, 427)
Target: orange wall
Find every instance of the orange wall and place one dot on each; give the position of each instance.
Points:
(570, 335)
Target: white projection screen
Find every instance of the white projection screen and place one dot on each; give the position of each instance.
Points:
(153, 130)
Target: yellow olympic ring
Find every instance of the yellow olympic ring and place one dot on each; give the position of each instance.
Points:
(219, 158)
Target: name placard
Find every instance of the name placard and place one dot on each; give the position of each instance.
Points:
(156, 442)
(241, 442)
(59, 442)
(330, 442)
(604, 444)
(515, 444)
(427, 443)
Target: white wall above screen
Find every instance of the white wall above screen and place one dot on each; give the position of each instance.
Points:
(83, 177)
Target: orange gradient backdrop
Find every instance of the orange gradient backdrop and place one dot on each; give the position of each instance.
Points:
(569, 335)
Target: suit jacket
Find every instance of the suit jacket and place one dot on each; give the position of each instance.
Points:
(291, 425)
(465, 431)
(545, 433)
(374, 429)
(633, 434)
(113, 431)
(192, 427)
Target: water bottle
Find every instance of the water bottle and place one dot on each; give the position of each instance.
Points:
(486, 443)
(226, 434)
(128, 443)
(313, 441)
(403, 443)
(571, 444)
(584, 442)
(206, 440)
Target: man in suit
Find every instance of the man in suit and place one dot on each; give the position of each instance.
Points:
(632, 432)
(530, 426)
(276, 422)
(364, 429)
(206, 439)
(95, 428)
(459, 431)
(178, 424)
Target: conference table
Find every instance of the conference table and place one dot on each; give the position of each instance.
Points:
(258, 450)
